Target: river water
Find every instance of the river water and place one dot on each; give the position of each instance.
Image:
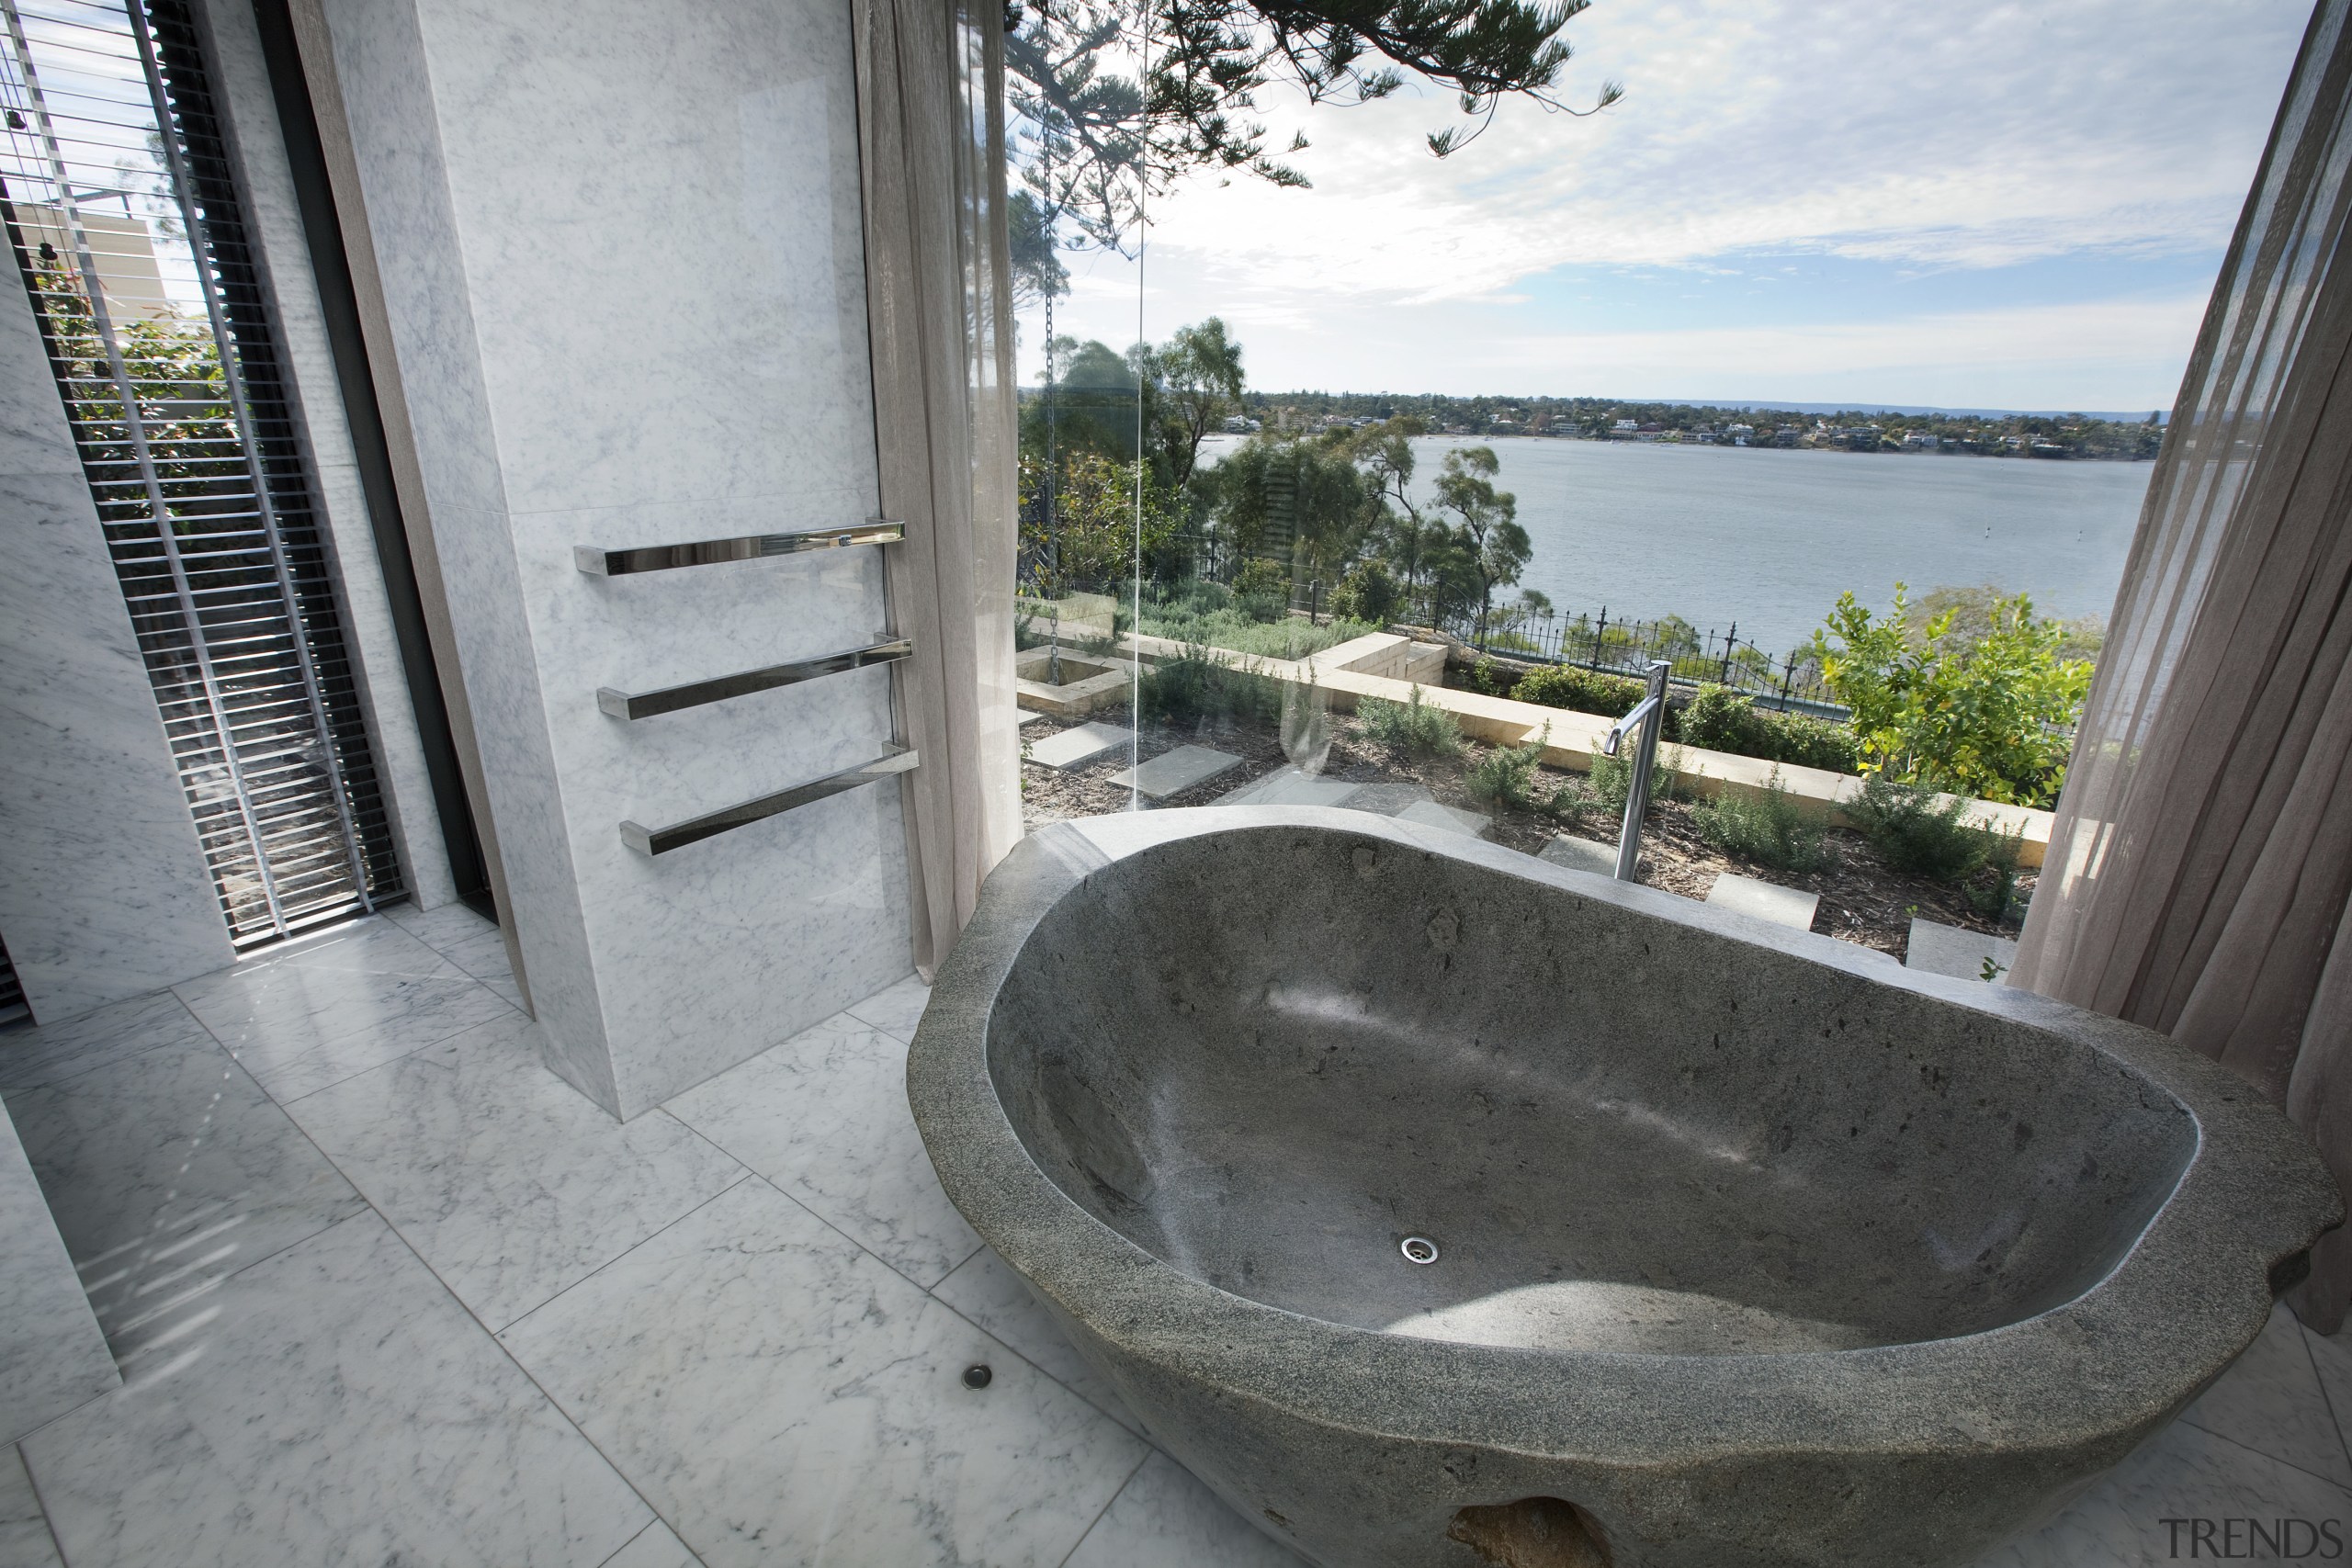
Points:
(1769, 538)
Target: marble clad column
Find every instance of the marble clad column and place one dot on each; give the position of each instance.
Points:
(104, 893)
(622, 271)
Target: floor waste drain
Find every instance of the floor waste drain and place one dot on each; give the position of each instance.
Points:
(1419, 1249)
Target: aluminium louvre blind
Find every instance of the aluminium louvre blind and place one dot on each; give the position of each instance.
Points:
(115, 184)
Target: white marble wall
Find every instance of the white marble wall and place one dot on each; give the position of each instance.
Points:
(104, 893)
(52, 1355)
(273, 221)
(622, 261)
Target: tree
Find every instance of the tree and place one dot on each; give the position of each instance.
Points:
(1115, 119)
(1038, 273)
(1991, 715)
(1190, 385)
(1301, 499)
(1489, 544)
(1383, 453)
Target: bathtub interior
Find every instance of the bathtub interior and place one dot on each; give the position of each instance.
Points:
(1280, 1058)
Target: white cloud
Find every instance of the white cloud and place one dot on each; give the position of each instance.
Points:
(1930, 135)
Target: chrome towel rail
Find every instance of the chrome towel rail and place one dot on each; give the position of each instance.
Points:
(743, 682)
(661, 841)
(748, 547)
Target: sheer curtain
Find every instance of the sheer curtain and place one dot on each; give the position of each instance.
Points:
(2198, 874)
(939, 310)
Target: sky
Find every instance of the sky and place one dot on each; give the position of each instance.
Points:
(1990, 206)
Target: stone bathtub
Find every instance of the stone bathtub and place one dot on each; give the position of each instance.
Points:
(1438, 1206)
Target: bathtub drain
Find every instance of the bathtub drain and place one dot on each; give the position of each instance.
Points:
(1419, 1249)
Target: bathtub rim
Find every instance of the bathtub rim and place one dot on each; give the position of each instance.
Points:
(2251, 1195)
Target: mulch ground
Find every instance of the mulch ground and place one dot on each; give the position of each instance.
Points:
(1863, 900)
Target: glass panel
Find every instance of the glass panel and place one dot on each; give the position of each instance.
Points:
(1385, 426)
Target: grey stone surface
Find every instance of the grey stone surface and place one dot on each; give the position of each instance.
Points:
(1075, 747)
(1176, 771)
(1452, 818)
(2015, 1237)
(1764, 901)
(1580, 854)
(1939, 949)
(1291, 786)
(1387, 799)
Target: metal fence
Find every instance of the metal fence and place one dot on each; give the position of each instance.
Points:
(1791, 682)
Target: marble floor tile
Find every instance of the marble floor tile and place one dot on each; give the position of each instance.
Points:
(985, 1289)
(55, 1051)
(25, 1540)
(781, 1397)
(437, 928)
(2184, 1472)
(2331, 1359)
(656, 1546)
(337, 1407)
(508, 1182)
(824, 1116)
(166, 1173)
(482, 955)
(1164, 1519)
(2271, 1402)
(297, 1029)
(895, 1010)
(374, 946)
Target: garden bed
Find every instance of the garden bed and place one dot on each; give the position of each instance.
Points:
(1863, 900)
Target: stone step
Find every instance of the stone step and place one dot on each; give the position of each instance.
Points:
(1174, 772)
(1580, 854)
(1451, 818)
(1939, 949)
(1764, 901)
(1076, 748)
(1291, 786)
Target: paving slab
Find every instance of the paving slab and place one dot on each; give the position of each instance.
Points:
(1387, 799)
(1764, 901)
(1174, 772)
(1290, 787)
(1452, 818)
(1939, 949)
(1580, 854)
(1076, 748)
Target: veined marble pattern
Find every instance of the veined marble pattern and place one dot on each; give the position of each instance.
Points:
(55, 1051)
(896, 1009)
(781, 1397)
(52, 1355)
(984, 1289)
(508, 1183)
(824, 1117)
(765, 1381)
(167, 1172)
(337, 1407)
(2272, 1401)
(316, 1017)
(1165, 1518)
(657, 1546)
(25, 1540)
(465, 938)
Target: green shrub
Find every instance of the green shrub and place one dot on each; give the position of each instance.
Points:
(1572, 801)
(1507, 777)
(1197, 685)
(1611, 778)
(1583, 691)
(1721, 719)
(1262, 590)
(1368, 593)
(1410, 728)
(1770, 828)
(1916, 833)
(1990, 712)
